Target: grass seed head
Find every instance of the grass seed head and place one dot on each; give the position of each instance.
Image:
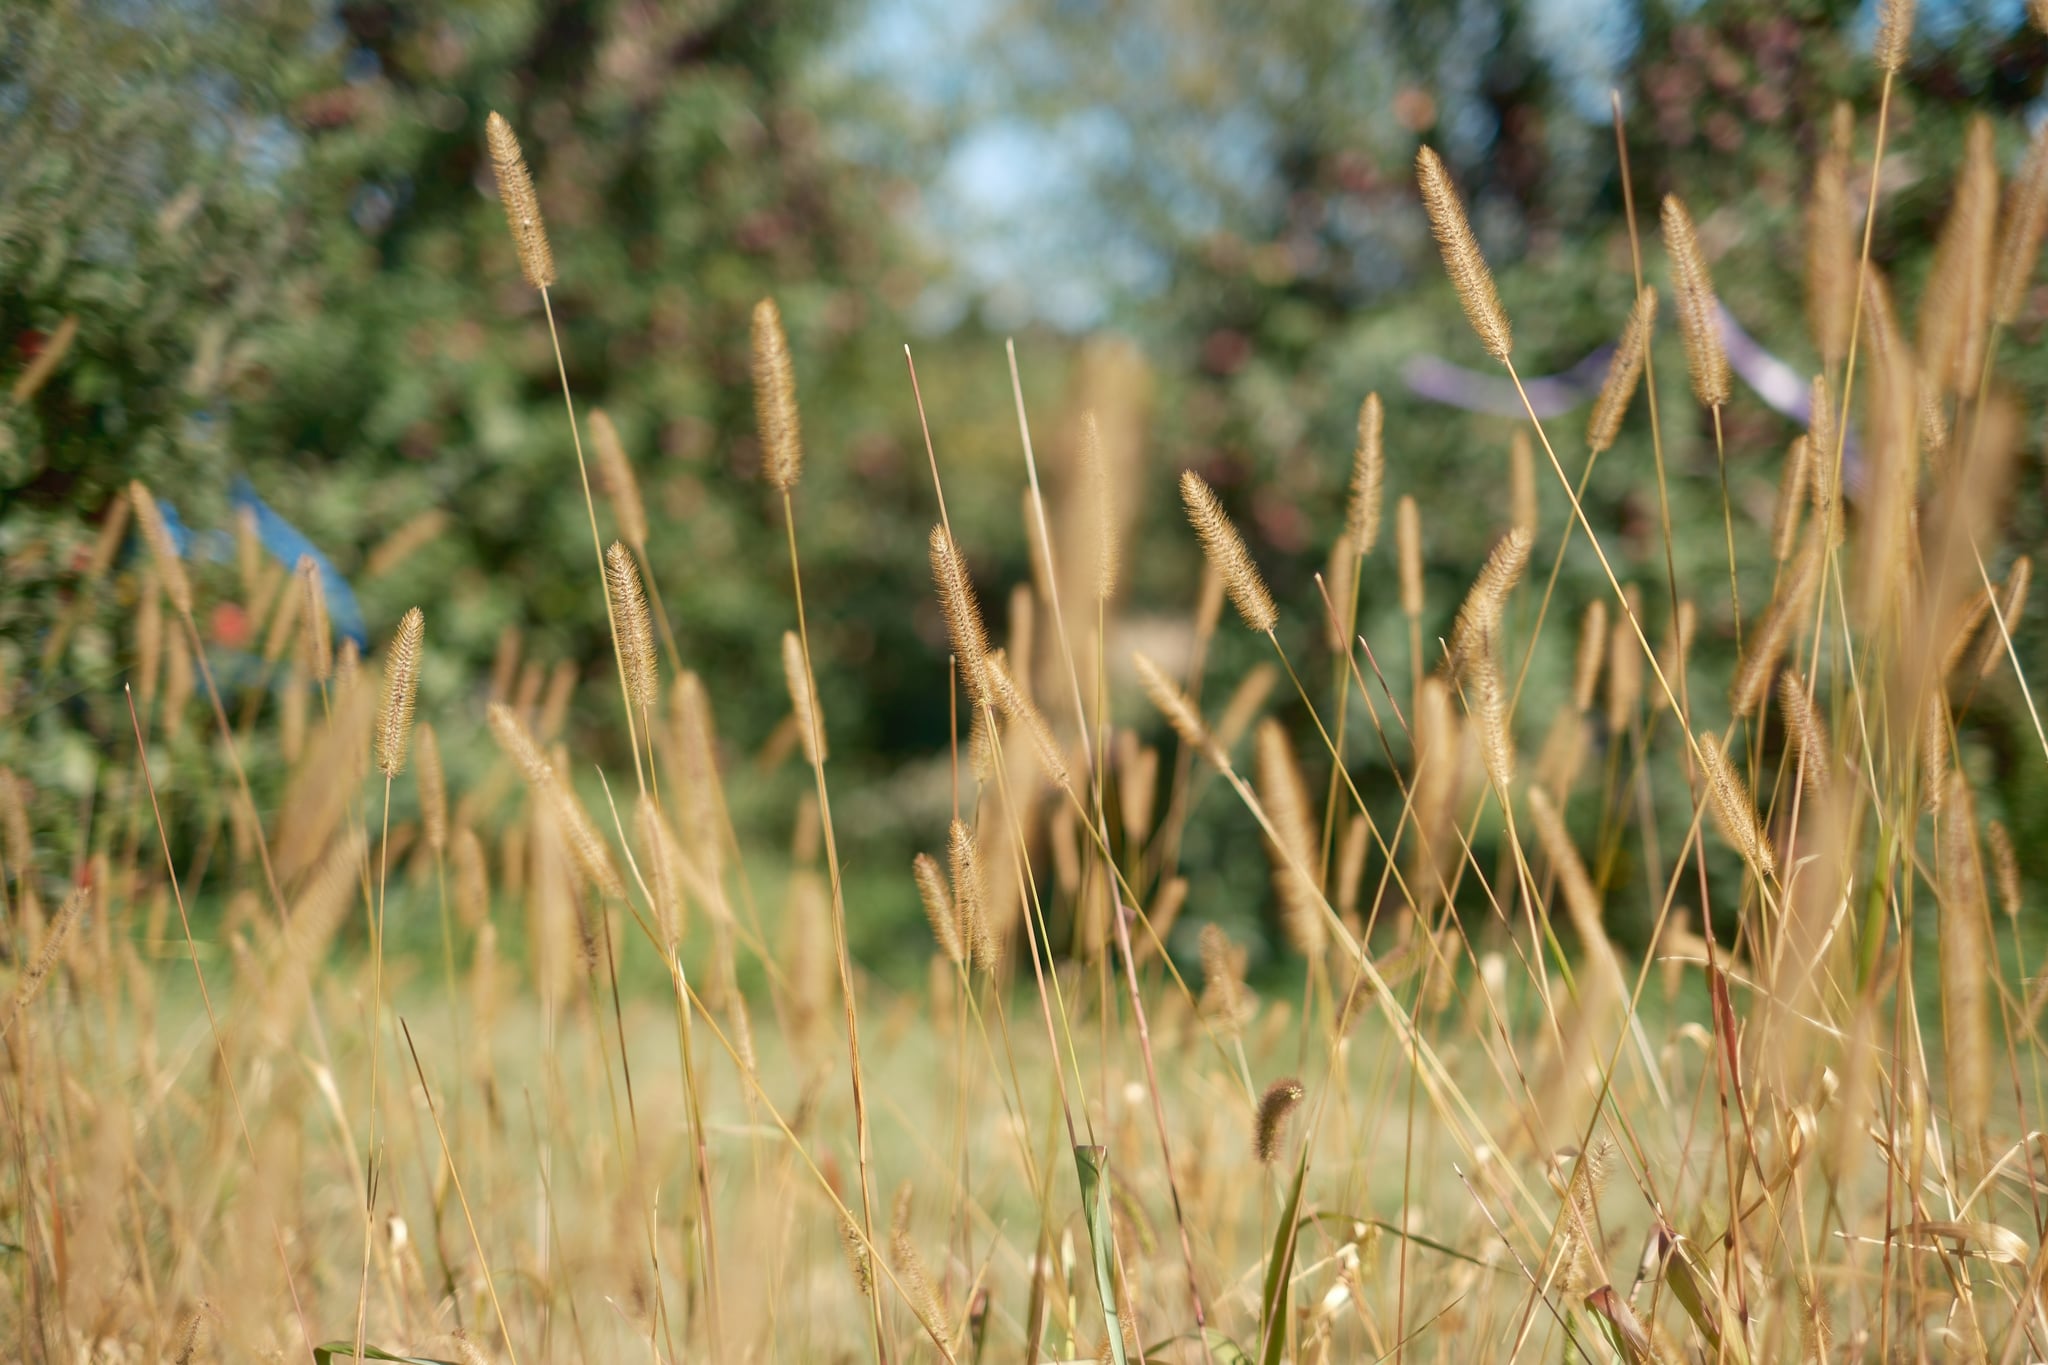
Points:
(963, 617)
(775, 410)
(522, 205)
(1894, 34)
(1285, 796)
(1408, 552)
(1624, 371)
(1699, 318)
(1368, 477)
(1269, 1128)
(1733, 810)
(615, 474)
(170, 567)
(635, 625)
(432, 780)
(1462, 258)
(401, 691)
(1226, 553)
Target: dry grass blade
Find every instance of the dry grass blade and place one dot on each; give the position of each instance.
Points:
(810, 720)
(2010, 607)
(1967, 969)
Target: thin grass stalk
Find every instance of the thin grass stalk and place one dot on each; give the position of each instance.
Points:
(227, 1068)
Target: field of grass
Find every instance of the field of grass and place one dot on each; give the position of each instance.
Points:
(620, 1089)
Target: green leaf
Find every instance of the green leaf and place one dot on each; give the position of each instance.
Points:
(325, 1353)
(1344, 1222)
(1093, 1165)
(1280, 1269)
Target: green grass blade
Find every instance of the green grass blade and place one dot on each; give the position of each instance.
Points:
(1093, 1164)
(1279, 1270)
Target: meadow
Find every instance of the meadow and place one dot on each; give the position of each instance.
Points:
(619, 1086)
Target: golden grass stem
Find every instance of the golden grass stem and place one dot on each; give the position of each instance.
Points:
(227, 1067)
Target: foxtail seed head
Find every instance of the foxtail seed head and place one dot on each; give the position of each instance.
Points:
(401, 690)
(938, 907)
(1225, 550)
(1462, 258)
(1270, 1127)
(522, 205)
(810, 721)
(1408, 553)
(432, 780)
(963, 616)
(1095, 464)
(1368, 477)
(1894, 34)
(635, 627)
(970, 897)
(1591, 652)
(1736, 812)
(1699, 321)
(775, 410)
(169, 567)
(2019, 238)
(1831, 245)
(1623, 372)
(1522, 483)
(1479, 618)
(1180, 712)
(615, 473)
(319, 631)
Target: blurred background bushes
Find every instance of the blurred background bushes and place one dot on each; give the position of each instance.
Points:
(265, 237)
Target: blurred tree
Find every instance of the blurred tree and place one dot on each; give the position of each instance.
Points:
(276, 231)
